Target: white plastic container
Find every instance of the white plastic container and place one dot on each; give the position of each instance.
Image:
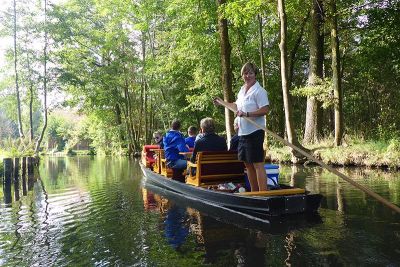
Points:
(272, 171)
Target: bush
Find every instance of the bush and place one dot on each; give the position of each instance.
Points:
(16, 147)
(372, 153)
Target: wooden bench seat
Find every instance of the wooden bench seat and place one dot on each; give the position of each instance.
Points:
(212, 167)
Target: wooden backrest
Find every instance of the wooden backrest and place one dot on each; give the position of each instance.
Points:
(215, 167)
(157, 163)
(167, 172)
(218, 163)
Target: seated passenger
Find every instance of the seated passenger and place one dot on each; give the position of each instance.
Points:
(192, 132)
(158, 138)
(174, 142)
(210, 141)
(199, 136)
(233, 145)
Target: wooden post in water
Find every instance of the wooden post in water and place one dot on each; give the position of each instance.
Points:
(30, 165)
(31, 179)
(23, 169)
(16, 169)
(16, 179)
(8, 170)
(24, 189)
(16, 189)
(7, 192)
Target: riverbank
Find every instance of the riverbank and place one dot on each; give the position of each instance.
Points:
(374, 154)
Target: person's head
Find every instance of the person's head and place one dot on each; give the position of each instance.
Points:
(157, 136)
(236, 124)
(249, 72)
(176, 125)
(207, 125)
(192, 131)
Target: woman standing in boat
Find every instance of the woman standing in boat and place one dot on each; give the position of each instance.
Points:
(252, 102)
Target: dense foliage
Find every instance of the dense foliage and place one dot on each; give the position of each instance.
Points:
(133, 66)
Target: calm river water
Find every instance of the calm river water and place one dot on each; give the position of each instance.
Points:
(87, 211)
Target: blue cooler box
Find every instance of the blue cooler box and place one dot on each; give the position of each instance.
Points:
(272, 176)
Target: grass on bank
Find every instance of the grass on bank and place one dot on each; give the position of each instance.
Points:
(353, 152)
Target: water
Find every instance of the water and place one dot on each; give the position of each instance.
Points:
(94, 212)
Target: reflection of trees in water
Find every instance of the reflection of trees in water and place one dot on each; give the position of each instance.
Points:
(342, 196)
(17, 246)
(45, 223)
(340, 199)
(24, 219)
(227, 244)
(290, 247)
(243, 247)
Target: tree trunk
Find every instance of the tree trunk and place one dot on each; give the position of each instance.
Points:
(39, 141)
(31, 112)
(129, 120)
(312, 125)
(291, 134)
(226, 73)
(296, 47)
(30, 77)
(144, 85)
(20, 130)
(336, 77)
(119, 123)
(261, 50)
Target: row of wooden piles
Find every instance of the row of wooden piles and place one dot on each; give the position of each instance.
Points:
(16, 171)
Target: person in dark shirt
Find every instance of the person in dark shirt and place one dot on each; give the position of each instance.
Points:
(192, 132)
(210, 141)
(233, 145)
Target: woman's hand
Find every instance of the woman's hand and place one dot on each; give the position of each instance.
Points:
(240, 113)
(217, 101)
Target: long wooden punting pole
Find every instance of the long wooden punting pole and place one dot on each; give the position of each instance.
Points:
(322, 164)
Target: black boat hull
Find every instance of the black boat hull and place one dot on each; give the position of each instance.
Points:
(273, 205)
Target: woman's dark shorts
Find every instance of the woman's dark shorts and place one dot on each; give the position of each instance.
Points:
(251, 148)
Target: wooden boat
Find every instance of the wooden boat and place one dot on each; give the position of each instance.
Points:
(271, 224)
(287, 200)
